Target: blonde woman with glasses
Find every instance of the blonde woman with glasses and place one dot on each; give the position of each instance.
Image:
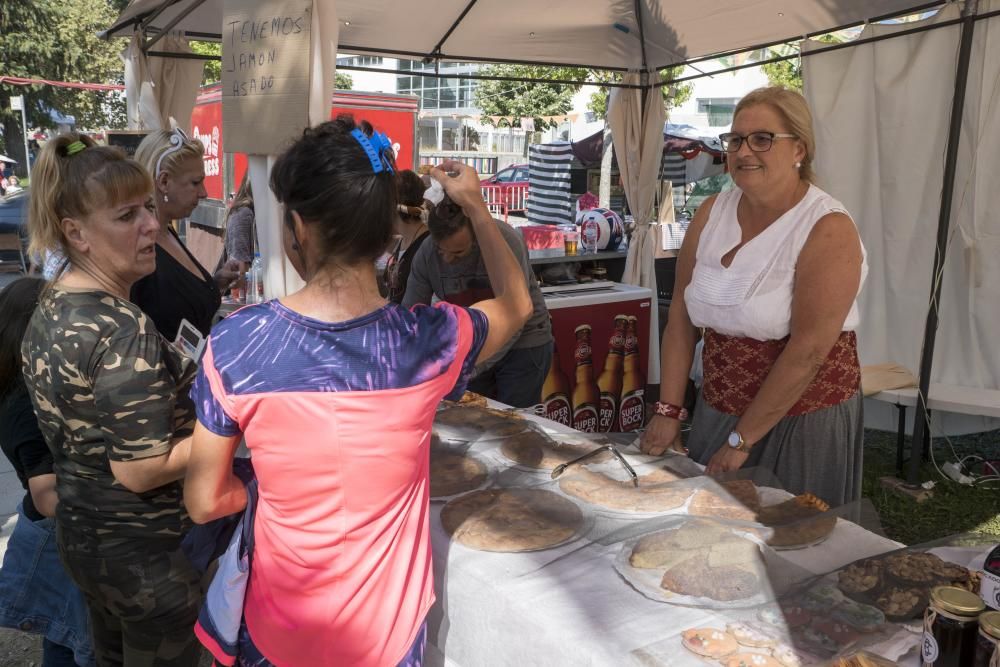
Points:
(771, 271)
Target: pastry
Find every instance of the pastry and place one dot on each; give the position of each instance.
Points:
(455, 473)
(838, 632)
(709, 642)
(786, 655)
(534, 449)
(734, 500)
(511, 519)
(694, 577)
(913, 568)
(861, 577)
(790, 616)
(822, 598)
(798, 521)
(749, 635)
(750, 660)
(902, 603)
(816, 639)
(600, 489)
(861, 617)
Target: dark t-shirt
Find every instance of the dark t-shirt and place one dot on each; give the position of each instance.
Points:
(106, 387)
(397, 271)
(23, 443)
(172, 293)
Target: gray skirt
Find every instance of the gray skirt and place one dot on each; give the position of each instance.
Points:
(818, 453)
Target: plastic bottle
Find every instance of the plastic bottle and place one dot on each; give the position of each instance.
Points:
(257, 280)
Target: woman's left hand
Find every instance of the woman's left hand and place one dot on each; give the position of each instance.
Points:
(227, 275)
(725, 460)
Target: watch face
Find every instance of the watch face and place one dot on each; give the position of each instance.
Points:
(734, 439)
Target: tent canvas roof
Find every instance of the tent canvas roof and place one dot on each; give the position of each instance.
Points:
(610, 34)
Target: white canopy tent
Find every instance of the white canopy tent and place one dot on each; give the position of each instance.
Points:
(640, 36)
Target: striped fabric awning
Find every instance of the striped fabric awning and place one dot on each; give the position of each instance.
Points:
(549, 198)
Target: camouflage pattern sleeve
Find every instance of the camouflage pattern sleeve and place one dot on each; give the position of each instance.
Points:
(135, 396)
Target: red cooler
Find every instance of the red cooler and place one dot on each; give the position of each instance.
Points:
(598, 374)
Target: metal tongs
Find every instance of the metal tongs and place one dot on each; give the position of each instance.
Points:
(561, 468)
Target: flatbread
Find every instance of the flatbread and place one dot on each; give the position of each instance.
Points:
(737, 500)
(485, 420)
(536, 450)
(652, 494)
(696, 578)
(666, 548)
(453, 473)
(471, 398)
(798, 521)
(511, 519)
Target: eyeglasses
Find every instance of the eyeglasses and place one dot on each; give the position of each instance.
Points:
(759, 142)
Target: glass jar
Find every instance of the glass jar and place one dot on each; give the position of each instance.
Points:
(989, 589)
(988, 642)
(951, 627)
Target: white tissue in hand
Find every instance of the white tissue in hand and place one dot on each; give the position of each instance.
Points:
(435, 193)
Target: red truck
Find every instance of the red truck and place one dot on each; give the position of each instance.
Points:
(395, 115)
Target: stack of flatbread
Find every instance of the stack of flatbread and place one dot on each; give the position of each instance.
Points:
(654, 493)
(737, 500)
(481, 420)
(453, 473)
(534, 449)
(701, 559)
(511, 519)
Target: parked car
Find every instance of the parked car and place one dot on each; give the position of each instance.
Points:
(516, 174)
(14, 220)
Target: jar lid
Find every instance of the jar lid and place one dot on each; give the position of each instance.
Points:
(958, 601)
(990, 623)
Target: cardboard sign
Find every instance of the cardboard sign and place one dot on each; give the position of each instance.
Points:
(265, 73)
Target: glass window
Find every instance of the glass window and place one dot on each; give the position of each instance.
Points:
(448, 98)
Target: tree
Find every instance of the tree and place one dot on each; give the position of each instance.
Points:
(528, 100)
(344, 82)
(674, 95)
(57, 40)
(788, 73)
(213, 68)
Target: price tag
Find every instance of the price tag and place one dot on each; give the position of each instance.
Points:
(929, 649)
(989, 590)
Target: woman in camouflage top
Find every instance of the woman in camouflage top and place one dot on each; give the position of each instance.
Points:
(111, 400)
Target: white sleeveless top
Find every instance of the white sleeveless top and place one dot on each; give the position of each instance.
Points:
(753, 297)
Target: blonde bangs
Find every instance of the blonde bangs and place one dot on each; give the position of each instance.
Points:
(115, 183)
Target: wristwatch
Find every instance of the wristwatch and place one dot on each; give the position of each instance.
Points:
(736, 441)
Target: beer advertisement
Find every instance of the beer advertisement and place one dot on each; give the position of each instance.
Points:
(598, 375)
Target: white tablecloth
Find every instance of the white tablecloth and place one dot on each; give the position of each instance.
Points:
(569, 606)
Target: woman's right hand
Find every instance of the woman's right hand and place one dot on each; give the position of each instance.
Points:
(662, 434)
(463, 188)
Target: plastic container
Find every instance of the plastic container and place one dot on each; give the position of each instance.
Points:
(255, 281)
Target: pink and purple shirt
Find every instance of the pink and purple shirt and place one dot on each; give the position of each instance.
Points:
(337, 417)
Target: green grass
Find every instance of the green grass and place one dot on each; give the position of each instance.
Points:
(953, 508)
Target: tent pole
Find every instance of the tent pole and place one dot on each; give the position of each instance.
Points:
(921, 417)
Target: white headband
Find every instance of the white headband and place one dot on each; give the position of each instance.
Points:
(177, 141)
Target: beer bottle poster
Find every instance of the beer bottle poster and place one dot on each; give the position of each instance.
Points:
(598, 374)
